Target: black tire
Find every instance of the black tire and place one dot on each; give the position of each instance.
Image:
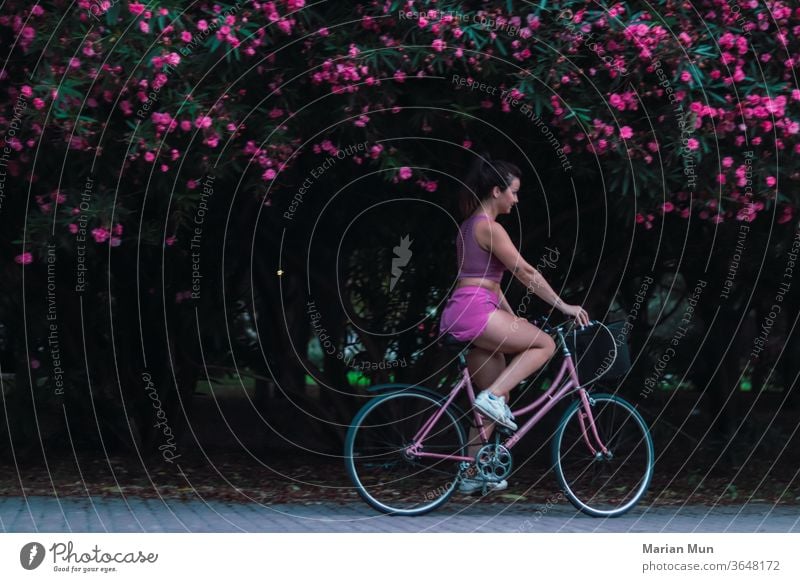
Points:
(603, 487)
(398, 485)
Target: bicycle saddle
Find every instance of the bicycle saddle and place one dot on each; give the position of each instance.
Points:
(448, 341)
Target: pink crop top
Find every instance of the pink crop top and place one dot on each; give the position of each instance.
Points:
(472, 259)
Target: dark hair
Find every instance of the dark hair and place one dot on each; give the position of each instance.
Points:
(484, 175)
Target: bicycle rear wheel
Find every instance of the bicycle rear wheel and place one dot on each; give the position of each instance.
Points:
(596, 484)
(385, 475)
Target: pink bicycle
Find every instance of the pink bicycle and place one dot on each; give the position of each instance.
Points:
(405, 450)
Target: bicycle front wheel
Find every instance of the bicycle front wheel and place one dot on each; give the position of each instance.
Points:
(603, 485)
(378, 461)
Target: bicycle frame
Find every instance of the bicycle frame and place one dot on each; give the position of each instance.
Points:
(542, 405)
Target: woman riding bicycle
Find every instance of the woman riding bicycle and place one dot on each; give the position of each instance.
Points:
(478, 312)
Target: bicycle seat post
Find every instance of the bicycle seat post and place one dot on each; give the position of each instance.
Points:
(450, 342)
(462, 359)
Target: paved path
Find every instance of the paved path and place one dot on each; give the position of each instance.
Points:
(110, 514)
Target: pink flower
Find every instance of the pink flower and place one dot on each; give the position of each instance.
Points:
(73, 228)
(626, 132)
(136, 8)
(285, 26)
(438, 45)
(117, 229)
(149, 156)
(186, 36)
(170, 240)
(173, 59)
(771, 181)
(692, 143)
(202, 122)
(24, 259)
(269, 174)
(100, 234)
(404, 173)
(668, 206)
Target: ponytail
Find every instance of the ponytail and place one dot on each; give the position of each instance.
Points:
(482, 177)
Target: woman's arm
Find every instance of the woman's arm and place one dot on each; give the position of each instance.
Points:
(494, 237)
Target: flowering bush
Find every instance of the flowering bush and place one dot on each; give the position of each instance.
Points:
(155, 97)
(133, 134)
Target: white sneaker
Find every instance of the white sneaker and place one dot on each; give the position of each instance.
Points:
(495, 408)
(469, 486)
(509, 414)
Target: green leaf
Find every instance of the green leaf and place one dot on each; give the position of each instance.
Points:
(581, 113)
(113, 13)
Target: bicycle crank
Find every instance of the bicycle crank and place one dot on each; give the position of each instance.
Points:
(494, 462)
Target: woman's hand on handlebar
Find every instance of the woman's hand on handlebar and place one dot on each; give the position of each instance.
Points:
(578, 312)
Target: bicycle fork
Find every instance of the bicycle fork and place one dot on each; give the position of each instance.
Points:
(585, 418)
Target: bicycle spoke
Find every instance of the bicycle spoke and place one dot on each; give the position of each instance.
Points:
(387, 476)
(597, 483)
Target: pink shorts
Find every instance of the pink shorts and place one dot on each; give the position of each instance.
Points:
(467, 312)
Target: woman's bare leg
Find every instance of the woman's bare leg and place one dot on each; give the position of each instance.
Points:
(509, 334)
(484, 367)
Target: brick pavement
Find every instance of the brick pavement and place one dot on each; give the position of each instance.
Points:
(117, 514)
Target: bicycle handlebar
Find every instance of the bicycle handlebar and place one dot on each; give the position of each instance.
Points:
(543, 324)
